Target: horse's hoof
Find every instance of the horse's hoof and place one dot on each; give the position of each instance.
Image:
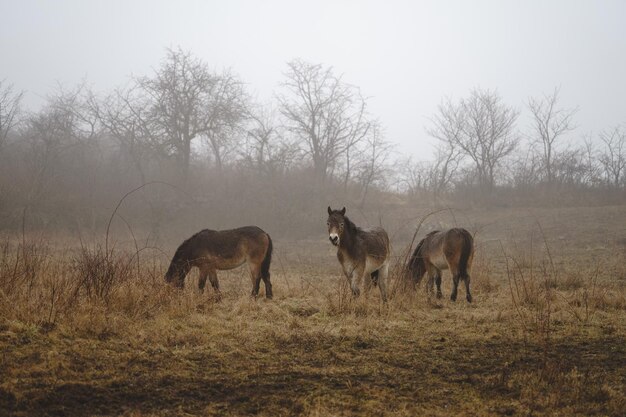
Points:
(439, 295)
(469, 298)
(453, 297)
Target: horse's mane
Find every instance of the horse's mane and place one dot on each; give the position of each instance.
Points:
(350, 226)
(417, 267)
(180, 257)
(180, 253)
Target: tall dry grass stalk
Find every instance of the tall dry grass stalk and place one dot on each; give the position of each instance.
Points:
(41, 286)
(531, 284)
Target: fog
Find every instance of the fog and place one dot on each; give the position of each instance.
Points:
(405, 55)
(245, 112)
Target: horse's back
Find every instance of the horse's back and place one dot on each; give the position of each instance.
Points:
(457, 239)
(444, 247)
(228, 247)
(376, 242)
(247, 231)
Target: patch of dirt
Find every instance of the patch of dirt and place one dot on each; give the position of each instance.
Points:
(357, 375)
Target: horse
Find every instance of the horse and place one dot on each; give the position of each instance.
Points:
(451, 249)
(219, 250)
(361, 253)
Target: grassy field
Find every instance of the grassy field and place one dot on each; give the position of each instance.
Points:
(84, 332)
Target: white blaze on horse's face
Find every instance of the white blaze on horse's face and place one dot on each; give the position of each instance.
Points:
(334, 238)
(335, 224)
(335, 229)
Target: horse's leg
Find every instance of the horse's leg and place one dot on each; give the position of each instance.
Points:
(367, 284)
(438, 282)
(355, 278)
(455, 284)
(383, 272)
(204, 272)
(215, 283)
(374, 276)
(268, 286)
(430, 281)
(466, 277)
(468, 295)
(255, 274)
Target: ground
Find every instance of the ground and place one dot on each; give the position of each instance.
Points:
(546, 334)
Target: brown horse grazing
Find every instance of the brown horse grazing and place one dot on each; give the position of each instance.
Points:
(361, 253)
(452, 249)
(211, 250)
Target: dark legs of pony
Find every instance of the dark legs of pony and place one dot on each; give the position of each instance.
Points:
(468, 295)
(434, 277)
(438, 283)
(262, 272)
(374, 276)
(212, 275)
(202, 280)
(214, 282)
(455, 286)
(268, 286)
(257, 276)
(455, 282)
(257, 286)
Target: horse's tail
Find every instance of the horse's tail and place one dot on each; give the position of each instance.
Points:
(416, 263)
(265, 266)
(466, 252)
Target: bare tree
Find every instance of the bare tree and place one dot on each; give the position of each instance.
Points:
(549, 124)
(430, 178)
(570, 167)
(62, 127)
(265, 148)
(372, 168)
(125, 116)
(592, 165)
(9, 110)
(188, 102)
(411, 177)
(227, 108)
(327, 115)
(481, 127)
(444, 168)
(525, 170)
(613, 157)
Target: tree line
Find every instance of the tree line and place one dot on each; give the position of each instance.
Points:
(202, 132)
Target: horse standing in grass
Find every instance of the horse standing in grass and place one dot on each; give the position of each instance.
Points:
(361, 253)
(451, 249)
(213, 250)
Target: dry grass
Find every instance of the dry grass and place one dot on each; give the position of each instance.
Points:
(85, 331)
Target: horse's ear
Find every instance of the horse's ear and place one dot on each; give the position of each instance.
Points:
(329, 211)
(343, 211)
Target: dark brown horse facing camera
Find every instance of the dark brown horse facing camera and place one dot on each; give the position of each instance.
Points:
(213, 250)
(361, 253)
(451, 249)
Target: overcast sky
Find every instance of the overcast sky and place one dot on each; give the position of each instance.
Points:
(405, 55)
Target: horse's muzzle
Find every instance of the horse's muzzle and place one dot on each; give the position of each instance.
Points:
(334, 240)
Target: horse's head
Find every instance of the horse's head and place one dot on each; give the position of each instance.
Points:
(175, 274)
(336, 222)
